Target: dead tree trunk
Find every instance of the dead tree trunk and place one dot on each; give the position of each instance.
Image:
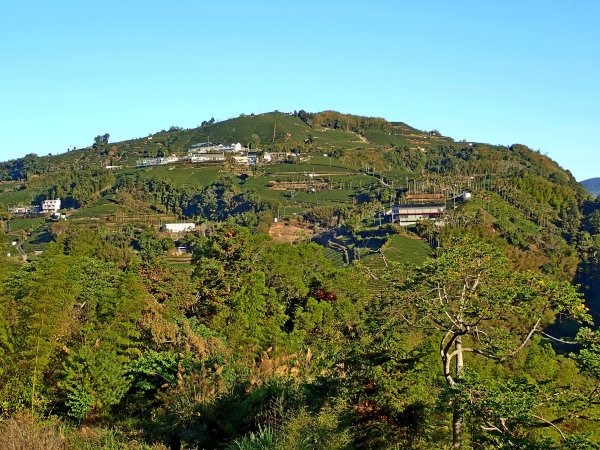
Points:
(457, 412)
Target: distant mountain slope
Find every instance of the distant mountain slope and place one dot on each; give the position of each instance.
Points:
(327, 131)
(350, 166)
(592, 185)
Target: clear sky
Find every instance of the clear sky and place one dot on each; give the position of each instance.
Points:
(523, 71)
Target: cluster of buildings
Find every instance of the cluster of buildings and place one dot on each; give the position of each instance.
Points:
(159, 161)
(46, 207)
(211, 147)
(209, 152)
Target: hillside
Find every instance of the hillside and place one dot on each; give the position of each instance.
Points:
(333, 170)
(592, 186)
(272, 131)
(319, 294)
(335, 162)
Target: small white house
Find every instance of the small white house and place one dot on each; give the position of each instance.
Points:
(179, 227)
(21, 210)
(50, 206)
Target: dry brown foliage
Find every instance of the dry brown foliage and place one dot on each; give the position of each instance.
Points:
(24, 432)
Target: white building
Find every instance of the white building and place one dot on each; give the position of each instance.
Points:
(161, 160)
(179, 227)
(214, 147)
(20, 210)
(411, 214)
(207, 157)
(50, 206)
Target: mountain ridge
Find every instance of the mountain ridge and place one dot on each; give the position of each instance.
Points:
(592, 185)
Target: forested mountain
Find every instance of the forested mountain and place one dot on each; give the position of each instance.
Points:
(299, 308)
(592, 185)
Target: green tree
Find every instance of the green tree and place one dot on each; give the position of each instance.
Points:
(94, 375)
(232, 291)
(254, 141)
(469, 296)
(44, 294)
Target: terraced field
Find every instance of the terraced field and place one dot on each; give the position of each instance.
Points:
(20, 197)
(399, 249)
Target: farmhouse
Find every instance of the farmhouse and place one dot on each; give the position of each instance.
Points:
(50, 206)
(411, 214)
(179, 227)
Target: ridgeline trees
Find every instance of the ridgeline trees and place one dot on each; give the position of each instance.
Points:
(101, 140)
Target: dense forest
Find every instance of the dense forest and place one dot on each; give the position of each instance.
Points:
(489, 340)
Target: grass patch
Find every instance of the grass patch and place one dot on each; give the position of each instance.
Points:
(386, 139)
(28, 224)
(189, 175)
(38, 240)
(104, 206)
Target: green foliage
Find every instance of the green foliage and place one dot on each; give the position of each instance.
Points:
(357, 124)
(46, 293)
(22, 168)
(150, 247)
(96, 370)
(152, 370)
(589, 356)
(218, 201)
(468, 296)
(265, 438)
(76, 188)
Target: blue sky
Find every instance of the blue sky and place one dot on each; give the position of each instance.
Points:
(498, 72)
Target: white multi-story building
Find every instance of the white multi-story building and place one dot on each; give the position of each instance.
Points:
(50, 206)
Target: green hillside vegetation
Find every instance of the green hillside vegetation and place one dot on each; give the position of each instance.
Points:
(339, 329)
(18, 197)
